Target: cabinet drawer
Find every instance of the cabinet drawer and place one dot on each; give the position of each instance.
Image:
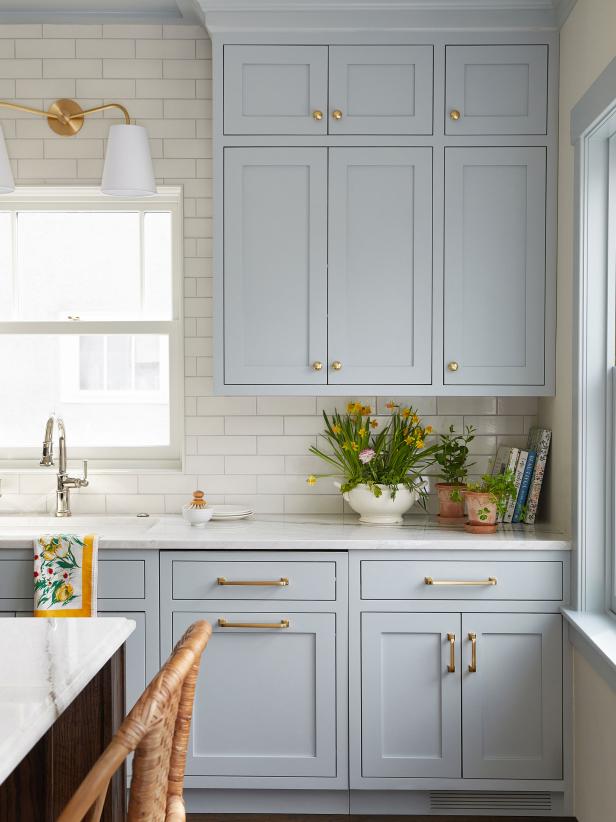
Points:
(496, 89)
(228, 580)
(392, 579)
(117, 579)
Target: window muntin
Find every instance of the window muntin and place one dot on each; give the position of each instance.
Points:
(90, 328)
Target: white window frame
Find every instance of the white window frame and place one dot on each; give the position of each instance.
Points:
(168, 199)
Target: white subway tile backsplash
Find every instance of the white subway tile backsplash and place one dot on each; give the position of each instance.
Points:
(239, 450)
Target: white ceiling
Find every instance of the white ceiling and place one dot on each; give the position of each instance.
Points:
(98, 11)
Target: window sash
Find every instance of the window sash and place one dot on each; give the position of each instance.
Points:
(168, 199)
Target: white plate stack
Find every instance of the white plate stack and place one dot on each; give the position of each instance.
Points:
(223, 512)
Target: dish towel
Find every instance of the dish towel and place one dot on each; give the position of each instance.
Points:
(65, 575)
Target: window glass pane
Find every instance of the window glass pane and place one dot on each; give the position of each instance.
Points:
(6, 302)
(93, 265)
(147, 363)
(157, 265)
(119, 362)
(68, 381)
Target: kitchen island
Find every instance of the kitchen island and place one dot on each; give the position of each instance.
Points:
(61, 694)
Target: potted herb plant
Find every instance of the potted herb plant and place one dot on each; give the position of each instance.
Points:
(486, 501)
(452, 454)
(381, 463)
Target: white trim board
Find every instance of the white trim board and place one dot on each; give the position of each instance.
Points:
(379, 15)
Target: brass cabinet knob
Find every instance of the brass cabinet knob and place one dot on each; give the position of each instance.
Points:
(337, 114)
(318, 115)
(453, 366)
(336, 365)
(317, 366)
(454, 114)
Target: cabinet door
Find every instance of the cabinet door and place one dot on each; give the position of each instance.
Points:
(380, 265)
(410, 700)
(380, 89)
(496, 89)
(266, 698)
(275, 89)
(512, 704)
(495, 266)
(275, 270)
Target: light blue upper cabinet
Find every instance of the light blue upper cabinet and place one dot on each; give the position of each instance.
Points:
(380, 265)
(275, 266)
(380, 89)
(512, 703)
(410, 720)
(275, 89)
(495, 264)
(496, 89)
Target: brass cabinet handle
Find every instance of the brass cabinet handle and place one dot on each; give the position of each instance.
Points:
(472, 668)
(337, 114)
(284, 623)
(454, 114)
(488, 581)
(318, 115)
(453, 366)
(263, 582)
(317, 366)
(336, 365)
(452, 653)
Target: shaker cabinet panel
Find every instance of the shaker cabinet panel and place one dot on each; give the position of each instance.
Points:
(512, 703)
(411, 724)
(380, 265)
(496, 89)
(265, 704)
(275, 265)
(495, 266)
(380, 89)
(275, 89)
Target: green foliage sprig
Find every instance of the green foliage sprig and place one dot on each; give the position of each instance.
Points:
(452, 454)
(500, 487)
(394, 455)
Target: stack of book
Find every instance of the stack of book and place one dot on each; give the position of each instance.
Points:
(528, 466)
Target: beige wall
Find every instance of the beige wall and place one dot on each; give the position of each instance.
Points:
(595, 744)
(587, 45)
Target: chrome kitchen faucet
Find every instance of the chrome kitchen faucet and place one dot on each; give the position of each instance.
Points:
(65, 483)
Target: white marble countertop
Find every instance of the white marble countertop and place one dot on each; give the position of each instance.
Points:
(45, 665)
(297, 533)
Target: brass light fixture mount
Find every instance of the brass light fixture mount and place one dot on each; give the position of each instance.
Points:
(65, 117)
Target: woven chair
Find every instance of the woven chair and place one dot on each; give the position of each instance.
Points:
(157, 730)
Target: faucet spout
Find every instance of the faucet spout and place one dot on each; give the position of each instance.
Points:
(65, 483)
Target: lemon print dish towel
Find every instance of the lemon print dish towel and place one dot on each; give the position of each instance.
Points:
(65, 575)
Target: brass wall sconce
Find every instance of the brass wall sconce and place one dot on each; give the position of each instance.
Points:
(128, 170)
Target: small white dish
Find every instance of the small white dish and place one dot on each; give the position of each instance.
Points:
(221, 512)
(197, 517)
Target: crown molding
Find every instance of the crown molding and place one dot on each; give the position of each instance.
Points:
(356, 15)
(179, 11)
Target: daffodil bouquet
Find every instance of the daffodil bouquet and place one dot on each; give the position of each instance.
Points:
(366, 452)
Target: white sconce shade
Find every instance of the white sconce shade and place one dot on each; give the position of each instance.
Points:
(7, 183)
(128, 170)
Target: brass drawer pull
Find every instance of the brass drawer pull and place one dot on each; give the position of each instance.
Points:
(280, 583)
(472, 668)
(452, 653)
(488, 581)
(284, 623)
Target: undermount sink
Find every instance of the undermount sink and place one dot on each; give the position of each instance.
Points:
(95, 524)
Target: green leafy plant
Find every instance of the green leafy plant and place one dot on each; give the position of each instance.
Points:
(452, 454)
(395, 454)
(499, 486)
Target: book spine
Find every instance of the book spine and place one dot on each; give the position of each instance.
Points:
(508, 463)
(524, 486)
(541, 443)
(519, 473)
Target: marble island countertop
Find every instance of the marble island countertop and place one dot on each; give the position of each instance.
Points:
(292, 532)
(46, 663)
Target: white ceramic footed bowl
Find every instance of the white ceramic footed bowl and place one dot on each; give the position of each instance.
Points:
(381, 510)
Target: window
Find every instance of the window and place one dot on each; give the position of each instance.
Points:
(90, 325)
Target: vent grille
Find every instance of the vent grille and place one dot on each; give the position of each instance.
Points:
(511, 801)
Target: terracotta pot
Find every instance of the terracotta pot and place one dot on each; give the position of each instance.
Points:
(481, 509)
(448, 508)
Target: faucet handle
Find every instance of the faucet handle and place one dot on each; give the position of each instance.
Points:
(85, 472)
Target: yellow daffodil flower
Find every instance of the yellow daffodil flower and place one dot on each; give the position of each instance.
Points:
(406, 413)
(415, 419)
(374, 424)
(361, 432)
(391, 405)
(336, 429)
(311, 480)
(355, 446)
(366, 410)
(428, 429)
